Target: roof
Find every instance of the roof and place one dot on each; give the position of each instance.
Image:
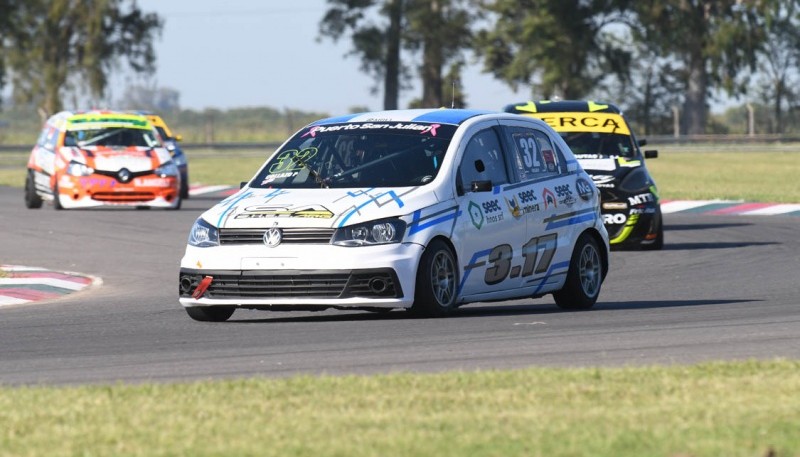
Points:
(441, 116)
(561, 106)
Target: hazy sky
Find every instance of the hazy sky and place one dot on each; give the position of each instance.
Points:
(241, 53)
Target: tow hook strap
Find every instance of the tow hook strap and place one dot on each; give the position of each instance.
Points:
(201, 288)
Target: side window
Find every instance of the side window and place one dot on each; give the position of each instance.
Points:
(534, 153)
(483, 160)
(48, 138)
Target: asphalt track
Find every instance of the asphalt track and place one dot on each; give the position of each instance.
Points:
(724, 287)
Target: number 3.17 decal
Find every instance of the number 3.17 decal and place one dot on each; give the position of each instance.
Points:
(500, 259)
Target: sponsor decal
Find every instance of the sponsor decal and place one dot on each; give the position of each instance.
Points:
(615, 205)
(549, 159)
(641, 199)
(549, 198)
(616, 218)
(605, 181)
(585, 190)
(487, 212)
(475, 214)
(565, 192)
(152, 182)
(263, 211)
(421, 128)
(518, 210)
(96, 182)
(527, 196)
(585, 122)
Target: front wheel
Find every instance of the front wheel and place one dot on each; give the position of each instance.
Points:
(584, 277)
(32, 199)
(57, 198)
(210, 313)
(437, 281)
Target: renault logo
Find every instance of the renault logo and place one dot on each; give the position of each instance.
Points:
(124, 175)
(273, 237)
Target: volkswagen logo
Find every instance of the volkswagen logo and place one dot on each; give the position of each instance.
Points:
(273, 237)
(124, 175)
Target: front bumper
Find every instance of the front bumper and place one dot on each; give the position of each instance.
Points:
(300, 277)
(632, 227)
(101, 190)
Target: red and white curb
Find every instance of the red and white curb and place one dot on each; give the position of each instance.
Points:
(730, 207)
(197, 190)
(22, 285)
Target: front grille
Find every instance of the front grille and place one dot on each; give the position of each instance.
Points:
(123, 196)
(380, 283)
(115, 173)
(297, 235)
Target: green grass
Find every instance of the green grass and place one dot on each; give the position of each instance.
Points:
(715, 409)
(765, 175)
(703, 174)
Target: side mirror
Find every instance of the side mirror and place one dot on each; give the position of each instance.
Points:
(643, 142)
(481, 186)
(652, 154)
(242, 184)
(178, 137)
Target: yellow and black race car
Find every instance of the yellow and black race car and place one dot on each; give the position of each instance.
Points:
(607, 149)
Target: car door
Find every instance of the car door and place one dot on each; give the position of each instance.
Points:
(487, 236)
(553, 201)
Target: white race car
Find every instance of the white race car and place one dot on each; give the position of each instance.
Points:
(419, 209)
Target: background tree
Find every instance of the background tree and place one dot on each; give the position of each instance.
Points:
(556, 46)
(9, 22)
(714, 40)
(779, 61)
(440, 30)
(377, 44)
(67, 46)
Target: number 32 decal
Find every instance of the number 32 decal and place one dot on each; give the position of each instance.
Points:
(501, 255)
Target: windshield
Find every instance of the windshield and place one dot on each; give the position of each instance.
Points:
(359, 155)
(111, 136)
(598, 145)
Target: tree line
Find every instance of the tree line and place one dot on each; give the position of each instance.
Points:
(659, 60)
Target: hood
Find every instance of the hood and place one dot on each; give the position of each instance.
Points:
(134, 158)
(329, 208)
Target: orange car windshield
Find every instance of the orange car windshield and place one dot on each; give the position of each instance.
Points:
(112, 136)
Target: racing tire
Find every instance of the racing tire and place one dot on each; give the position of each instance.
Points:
(658, 243)
(32, 199)
(210, 313)
(584, 277)
(57, 199)
(437, 282)
(177, 205)
(184, 192)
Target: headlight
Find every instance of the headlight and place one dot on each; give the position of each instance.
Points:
(371, 233)
(636, 181)
(166, 169)
(79, 169)
(203, 234)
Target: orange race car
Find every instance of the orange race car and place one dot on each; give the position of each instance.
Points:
(101, 158)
